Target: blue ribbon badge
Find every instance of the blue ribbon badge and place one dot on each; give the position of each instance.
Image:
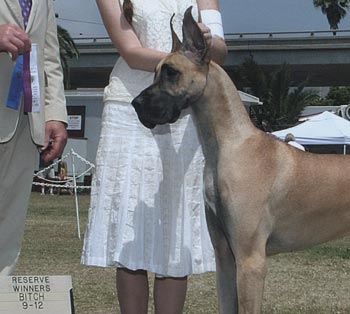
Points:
(16, 88)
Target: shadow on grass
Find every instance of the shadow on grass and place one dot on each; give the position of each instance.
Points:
(316, 281)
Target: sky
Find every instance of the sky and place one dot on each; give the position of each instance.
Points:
(239, 16)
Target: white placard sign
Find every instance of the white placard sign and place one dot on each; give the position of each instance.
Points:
(36, 294)
(74, 122)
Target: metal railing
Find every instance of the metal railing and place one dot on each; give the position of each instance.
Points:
(252, 35)
(292, 34)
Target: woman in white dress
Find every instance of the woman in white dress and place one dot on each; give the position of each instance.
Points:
(147, 209)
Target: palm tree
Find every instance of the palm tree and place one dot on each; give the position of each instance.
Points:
(68, 49)
(282, 101)
(335, 10)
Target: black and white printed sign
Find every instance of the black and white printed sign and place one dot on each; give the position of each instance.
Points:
(36, 294)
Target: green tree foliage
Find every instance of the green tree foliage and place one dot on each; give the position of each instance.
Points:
(282, 100)
(68, 49)
(338, 96)
(335, 10)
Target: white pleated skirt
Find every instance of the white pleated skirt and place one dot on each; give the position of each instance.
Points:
(147, 208)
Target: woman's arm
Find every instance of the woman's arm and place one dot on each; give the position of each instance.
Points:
(124, 38)
(218, 49)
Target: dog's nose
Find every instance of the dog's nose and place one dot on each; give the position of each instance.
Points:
(137, 103)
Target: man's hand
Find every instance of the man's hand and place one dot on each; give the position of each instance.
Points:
(55, 140)
(14, 40)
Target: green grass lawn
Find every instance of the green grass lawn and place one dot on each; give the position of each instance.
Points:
(316, 281)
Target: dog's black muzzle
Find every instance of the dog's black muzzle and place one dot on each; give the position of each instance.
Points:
(154, 106)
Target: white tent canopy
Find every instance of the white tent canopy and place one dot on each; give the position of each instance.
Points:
(249, 99)
(323, 129)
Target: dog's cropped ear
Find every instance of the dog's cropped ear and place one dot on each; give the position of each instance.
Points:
(176, 41)
(193, 38)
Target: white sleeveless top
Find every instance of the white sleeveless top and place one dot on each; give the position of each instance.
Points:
(151, 22)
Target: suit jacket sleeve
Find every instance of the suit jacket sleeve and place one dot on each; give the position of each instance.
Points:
(55, 102)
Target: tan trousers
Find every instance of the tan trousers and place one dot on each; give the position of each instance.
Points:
(17, 161)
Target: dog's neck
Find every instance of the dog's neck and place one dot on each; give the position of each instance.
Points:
(230, 118)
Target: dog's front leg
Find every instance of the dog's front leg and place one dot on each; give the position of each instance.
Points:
(251, 272)
(225, 266)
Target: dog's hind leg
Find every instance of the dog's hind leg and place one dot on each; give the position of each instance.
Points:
(225, 266)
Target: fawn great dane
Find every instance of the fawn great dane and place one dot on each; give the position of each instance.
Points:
(262, 196)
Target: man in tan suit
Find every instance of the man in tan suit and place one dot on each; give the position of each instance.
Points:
(29, 121)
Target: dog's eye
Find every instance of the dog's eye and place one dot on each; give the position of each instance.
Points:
(169, 72)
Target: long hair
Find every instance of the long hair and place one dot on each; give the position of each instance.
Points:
(128, 10)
